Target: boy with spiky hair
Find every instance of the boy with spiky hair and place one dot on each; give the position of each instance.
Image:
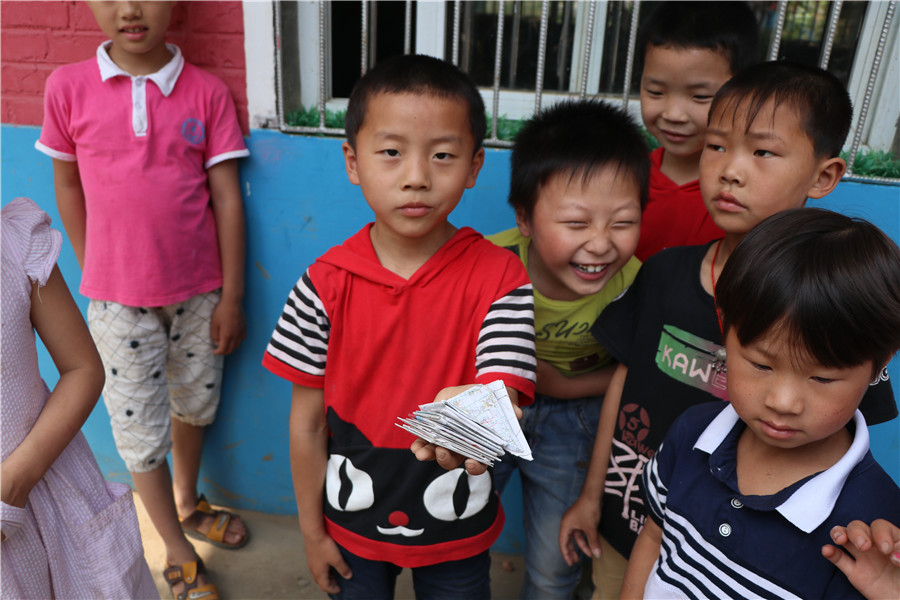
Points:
(578, 182)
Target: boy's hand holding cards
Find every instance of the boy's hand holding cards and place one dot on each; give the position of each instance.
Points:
(479, 423)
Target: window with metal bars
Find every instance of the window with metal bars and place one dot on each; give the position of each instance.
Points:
(525, 54)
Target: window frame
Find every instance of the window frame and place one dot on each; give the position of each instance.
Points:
(876, 100)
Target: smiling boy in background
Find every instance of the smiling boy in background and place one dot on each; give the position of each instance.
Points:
(689, 50)
(578, 182)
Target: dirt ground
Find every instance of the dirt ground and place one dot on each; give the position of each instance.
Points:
(273, 565)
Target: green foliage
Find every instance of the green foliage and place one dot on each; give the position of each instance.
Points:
(506, 128)
(309, 117)
(874, 163)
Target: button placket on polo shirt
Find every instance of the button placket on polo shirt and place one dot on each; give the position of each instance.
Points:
(139, 105)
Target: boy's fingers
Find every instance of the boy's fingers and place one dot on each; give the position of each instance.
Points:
(887, 537)
(566, 545)
(581, 543)
(227, 339)
(568, 553)
(447, 459)
(422, 449)
(473, 467)
(326, 581)
(858, 533)
(344, 570)
(834, 555)
(588, 543)
(839, 535)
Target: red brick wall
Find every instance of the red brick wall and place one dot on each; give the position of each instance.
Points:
(37, 37)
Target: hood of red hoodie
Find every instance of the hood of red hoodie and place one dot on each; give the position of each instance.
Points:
(357, 255)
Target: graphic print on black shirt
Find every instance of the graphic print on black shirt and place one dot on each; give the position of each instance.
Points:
(691, 360)
(687, 359)
(366, 491)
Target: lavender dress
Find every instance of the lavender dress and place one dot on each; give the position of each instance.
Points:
(78, 535)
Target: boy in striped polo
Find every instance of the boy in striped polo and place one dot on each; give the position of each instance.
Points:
(744, 495)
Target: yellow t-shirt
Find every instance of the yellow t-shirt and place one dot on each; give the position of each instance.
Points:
(562, 328)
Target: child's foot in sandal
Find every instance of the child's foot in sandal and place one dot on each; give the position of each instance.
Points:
(216, 526)
(190, 582)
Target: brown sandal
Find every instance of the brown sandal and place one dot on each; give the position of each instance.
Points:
(218, 528)
(188, 573)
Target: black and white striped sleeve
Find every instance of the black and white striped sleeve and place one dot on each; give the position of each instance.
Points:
(300, 339)
(655, 490)
(506, 342)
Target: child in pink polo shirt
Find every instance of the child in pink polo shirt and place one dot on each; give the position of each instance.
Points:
(143, 146)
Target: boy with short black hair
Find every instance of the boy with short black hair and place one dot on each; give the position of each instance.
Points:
(774, 134)
(578, 182)
(686, 50)
(408, 309)
(744, 494)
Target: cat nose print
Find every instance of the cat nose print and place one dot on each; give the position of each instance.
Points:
(398, 518)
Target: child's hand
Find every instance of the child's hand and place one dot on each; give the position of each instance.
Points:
(874, 568)
(446, 458)
(323, 555)
(14, 496)
(579, 526)
(227, 328)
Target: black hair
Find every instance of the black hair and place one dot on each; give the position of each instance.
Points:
(819, 99)
(576, 138)
(415, 74)
(828, 284)
(726, 27)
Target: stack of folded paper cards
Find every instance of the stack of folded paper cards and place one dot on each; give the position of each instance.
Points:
(479, 423)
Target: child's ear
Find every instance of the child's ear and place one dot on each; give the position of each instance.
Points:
(524, 222)
(830, 173)
(350, 163)
(475, 168)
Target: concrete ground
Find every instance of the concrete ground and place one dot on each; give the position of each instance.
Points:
(273, 565)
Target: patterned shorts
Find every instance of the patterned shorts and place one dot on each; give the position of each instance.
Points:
(159, 365)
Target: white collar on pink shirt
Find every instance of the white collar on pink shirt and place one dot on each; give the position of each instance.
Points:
(164, 79)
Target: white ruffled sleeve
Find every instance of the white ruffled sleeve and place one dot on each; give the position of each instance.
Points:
(28, 235)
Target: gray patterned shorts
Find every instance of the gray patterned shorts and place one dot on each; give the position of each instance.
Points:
(159, 365)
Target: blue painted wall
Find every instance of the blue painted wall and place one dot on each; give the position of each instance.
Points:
(298, 204)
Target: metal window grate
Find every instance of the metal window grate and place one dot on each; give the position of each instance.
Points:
(367, 42)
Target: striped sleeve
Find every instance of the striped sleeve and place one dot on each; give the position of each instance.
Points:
(299, 343)
(506, 341)
(655, 491)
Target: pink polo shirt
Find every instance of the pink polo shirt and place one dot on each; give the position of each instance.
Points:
(143, 145)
